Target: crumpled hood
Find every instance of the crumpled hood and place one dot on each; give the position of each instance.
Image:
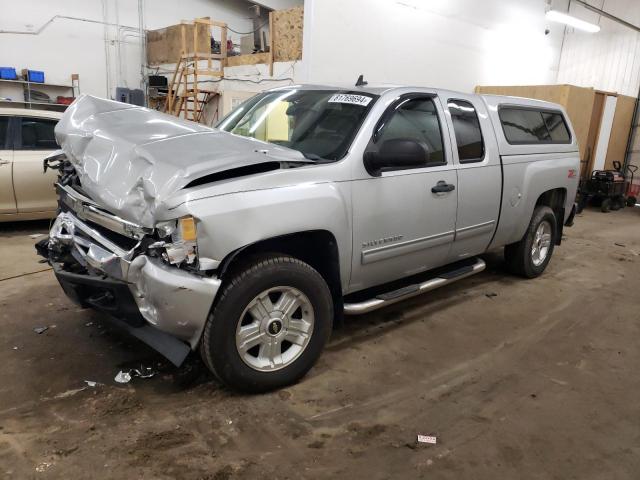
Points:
(131, 159)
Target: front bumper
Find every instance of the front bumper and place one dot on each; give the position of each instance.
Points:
(138, 290)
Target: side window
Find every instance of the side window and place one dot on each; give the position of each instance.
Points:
(530, 126)
(466, 127)
(37, 134)
(417, 119)
(557, 127)
(4, 128)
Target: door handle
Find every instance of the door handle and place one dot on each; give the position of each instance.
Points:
(3, 162)
(443, 187)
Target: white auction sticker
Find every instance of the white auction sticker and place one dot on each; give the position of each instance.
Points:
(426, 439)
(361, 100)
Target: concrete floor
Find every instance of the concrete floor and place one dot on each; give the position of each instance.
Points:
(538, 381)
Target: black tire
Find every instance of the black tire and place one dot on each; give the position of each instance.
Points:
(631, 201)
(618, 203)
(605, 206)
(518, 255)
(218, 344)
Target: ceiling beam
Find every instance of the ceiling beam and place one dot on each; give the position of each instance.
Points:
(607, 15)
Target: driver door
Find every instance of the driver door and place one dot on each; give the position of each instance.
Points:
(400, 225)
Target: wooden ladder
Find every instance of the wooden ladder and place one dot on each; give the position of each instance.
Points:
(187, 95)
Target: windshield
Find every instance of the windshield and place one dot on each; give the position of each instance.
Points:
(318, 123)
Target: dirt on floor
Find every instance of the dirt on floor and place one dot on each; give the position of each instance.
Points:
(516, 379)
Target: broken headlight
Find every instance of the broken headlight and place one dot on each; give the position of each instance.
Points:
(183, 246)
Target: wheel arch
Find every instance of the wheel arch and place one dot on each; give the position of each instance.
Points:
(318, 248)
(555, 199)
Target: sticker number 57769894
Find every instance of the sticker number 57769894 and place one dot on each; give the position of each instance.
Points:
(361, 100)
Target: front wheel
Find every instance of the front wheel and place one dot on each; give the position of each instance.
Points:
(269, 326)
(530, 256)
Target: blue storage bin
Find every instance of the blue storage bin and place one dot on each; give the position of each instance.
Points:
(8, 73)
(35, 76)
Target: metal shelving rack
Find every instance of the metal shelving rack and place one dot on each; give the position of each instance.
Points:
(27, 89)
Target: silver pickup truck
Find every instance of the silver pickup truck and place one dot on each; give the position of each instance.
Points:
(249, 241)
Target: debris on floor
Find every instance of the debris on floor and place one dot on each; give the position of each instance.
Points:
(91, 383)
(619, 244)
(40, 330)
(427, 439)
(43, 467)
(36, 235)
(491, 294)
(125, 376)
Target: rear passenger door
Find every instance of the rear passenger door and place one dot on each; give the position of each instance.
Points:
(7, 199)
(477, 159)
(34, 140)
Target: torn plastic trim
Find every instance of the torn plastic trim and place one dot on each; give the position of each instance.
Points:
(97, 252)
(175, 301)
(54, 161)
(86, 209)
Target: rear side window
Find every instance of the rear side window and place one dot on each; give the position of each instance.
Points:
(37, 134)
(530, 126)
(4, 127)
(557, 128)
(466, 127)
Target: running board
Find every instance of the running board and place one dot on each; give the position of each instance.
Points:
(403, 293)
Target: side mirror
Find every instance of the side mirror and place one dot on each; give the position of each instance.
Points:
(397, 153)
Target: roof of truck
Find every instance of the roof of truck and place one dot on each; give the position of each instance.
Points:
(380, 89)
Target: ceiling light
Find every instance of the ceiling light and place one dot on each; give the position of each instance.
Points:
(556, 16)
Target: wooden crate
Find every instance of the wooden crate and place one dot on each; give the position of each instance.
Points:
(167, 44)
(286, 34)
(620, 130)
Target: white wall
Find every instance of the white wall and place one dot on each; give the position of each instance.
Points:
(455, 44)
(608, 60)
(91, 50)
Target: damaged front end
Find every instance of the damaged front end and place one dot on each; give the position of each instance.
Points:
(147, 279)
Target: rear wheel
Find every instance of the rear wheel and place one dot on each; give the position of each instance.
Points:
(605, 206)
(631, 201)
(269, 326)
(530, 256)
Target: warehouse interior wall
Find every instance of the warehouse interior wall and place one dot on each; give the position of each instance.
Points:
(454, 44)
(103, 56)
(608, 60)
